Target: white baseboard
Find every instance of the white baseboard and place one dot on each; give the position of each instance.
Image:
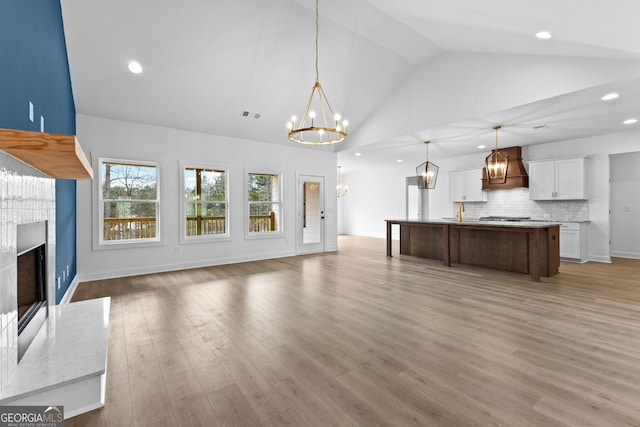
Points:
(573, 260)
(86, 277)
(66, 298)
(600, 258)
(632, 255)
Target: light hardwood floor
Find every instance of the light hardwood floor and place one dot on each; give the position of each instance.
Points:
(356, 338)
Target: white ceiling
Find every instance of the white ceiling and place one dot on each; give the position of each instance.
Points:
(205, 62)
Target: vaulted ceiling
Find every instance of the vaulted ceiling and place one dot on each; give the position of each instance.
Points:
(401, 72)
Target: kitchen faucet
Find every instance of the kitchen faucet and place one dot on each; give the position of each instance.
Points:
(460, 210)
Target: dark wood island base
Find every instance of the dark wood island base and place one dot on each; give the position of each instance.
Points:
(524, 247)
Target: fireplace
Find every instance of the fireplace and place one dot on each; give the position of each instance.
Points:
(32, 281)
(31, 296)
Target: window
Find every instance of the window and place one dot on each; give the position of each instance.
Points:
(128, 202)
(205, 203)
(265, 203)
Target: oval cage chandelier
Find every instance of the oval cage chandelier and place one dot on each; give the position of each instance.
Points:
(311, 129)
(341, 190)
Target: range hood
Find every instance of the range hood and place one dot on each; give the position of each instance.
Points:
(57, 155)
(516, 172)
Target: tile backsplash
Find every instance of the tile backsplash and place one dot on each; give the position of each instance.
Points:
(515, 202)
(26, 195)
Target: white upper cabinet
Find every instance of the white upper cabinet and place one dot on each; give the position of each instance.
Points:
(466, 186)
(570, 179)
(542, 180)
(457, 186)
(558, 180)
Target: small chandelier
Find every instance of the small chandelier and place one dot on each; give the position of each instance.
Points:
(427, 172)
(341, 191)
(497, 164)
(317, 130)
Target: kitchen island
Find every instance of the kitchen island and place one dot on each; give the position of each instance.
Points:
(525, 247)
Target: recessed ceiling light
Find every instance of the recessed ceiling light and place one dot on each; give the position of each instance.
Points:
(630, 121)
(399, 160)
(610, 96)
(135, 67)
(545, 35)
(358, 154)
(480, 147)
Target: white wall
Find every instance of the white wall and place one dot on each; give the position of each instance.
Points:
(625, 205)
(376, 195)
(598, 189)
(340, 217)
(130, 141)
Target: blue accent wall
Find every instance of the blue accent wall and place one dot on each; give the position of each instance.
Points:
(34, 67)
(65, 234)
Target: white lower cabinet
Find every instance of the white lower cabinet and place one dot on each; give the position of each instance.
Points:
(573, 241)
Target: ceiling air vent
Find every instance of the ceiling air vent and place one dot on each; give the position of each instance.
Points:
(249, 114)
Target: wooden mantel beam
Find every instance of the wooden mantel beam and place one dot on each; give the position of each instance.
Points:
(57, 155)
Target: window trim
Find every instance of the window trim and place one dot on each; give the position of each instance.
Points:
(263, 234)
(98, 213)
(207, 238)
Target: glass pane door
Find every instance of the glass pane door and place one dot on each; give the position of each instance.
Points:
(310, 218)
(311, 213)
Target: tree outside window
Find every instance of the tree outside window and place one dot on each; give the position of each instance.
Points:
(265, 208)
(129, 201)
(205, 193)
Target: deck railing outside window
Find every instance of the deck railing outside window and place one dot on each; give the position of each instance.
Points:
(145, 228)
(202, 225)
(129, 228)
(261, 223)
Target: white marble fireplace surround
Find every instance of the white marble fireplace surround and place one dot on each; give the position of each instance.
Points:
(67, 360)
(26, 196)
(66, 363)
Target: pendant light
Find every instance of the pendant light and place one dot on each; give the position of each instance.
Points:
(341, 191)
(311, 129)
(427, 172)
(497, 164)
